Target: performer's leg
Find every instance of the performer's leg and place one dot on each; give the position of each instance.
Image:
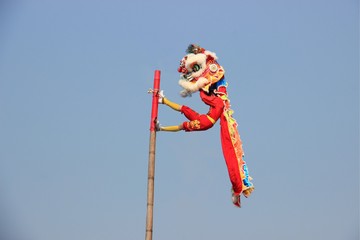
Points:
(172, 128)
(189, 113)
(198, 122)
(168, 128)
(176, 107)
(171, 104)
(164, 100)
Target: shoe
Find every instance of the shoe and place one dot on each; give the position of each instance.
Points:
(161, 96)
(157, 126)
(235, 199)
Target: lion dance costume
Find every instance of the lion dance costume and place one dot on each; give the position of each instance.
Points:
(200, 71)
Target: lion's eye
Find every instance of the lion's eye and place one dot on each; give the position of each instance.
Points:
(196, 67)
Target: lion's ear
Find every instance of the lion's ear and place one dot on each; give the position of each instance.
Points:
(210, 55)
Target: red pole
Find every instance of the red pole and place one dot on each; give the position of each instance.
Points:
(155, 100)
(151, 165)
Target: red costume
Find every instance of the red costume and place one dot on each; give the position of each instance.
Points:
(201, 72)
(199, 122)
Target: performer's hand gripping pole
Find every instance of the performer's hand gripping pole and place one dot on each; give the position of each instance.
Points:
(151, 166)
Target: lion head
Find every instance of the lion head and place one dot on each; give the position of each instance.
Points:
(198, 70)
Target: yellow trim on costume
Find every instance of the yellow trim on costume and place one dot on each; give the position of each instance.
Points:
(206, 88)
(211, 119)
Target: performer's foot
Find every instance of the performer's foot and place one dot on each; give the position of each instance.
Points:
(235, 199)
(157, 126)
(161, 96)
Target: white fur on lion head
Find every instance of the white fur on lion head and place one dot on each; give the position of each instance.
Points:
(192, 66)
(191, 87)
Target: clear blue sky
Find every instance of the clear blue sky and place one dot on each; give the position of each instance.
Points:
(75, 113)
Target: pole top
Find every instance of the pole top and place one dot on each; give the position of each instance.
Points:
(155, 100)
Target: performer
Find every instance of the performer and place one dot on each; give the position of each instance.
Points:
(200, 71)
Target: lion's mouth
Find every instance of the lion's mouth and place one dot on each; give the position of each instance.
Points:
(188, 77)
